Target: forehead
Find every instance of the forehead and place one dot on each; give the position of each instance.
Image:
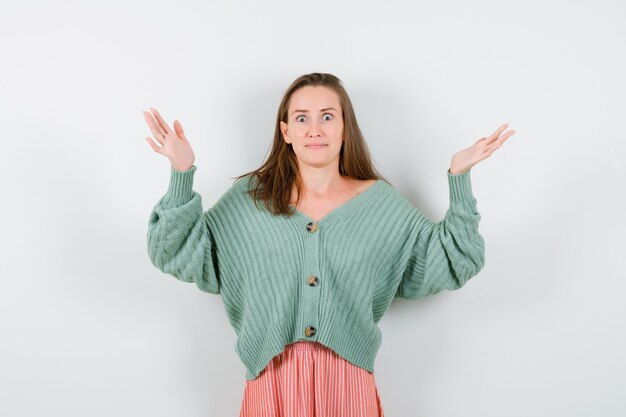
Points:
(314, 98)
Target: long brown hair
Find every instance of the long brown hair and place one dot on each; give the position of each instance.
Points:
(276, 176)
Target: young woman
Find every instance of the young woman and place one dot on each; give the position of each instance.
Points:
(309, 250)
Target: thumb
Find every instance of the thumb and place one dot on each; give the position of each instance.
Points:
(178, 128)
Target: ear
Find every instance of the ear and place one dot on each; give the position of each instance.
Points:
(283, 129)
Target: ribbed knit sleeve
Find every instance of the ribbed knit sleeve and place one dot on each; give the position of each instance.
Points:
(179, 240)
(448, 253)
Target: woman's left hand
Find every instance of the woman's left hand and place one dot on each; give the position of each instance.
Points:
(464, 160)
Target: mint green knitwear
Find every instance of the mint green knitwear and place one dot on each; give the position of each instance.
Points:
(284, 278)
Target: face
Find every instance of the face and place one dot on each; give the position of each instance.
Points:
(314, 126)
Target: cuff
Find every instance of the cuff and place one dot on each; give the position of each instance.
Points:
(180, 189)
(460, 185)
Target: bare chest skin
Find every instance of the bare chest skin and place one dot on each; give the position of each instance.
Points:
(317, 207)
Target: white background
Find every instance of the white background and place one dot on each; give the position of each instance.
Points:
(89, 327)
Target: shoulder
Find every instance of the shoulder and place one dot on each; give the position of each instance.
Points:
(381, 195)
(357, 186)
(233, 196)
(392, 198)
(362, 185)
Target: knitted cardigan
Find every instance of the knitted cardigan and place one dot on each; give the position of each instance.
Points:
(288, 278)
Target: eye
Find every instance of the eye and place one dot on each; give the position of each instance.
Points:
(329, 114)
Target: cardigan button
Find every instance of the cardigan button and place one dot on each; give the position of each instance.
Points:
(309, 331)
(311, 227)
(312, 280)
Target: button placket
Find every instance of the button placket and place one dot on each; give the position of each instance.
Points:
(311, 282)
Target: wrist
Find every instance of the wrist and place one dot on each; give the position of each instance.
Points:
(455, 171)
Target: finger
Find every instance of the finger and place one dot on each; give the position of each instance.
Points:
(499, 130)
(497, 133)
(497, 144)
(504, 137)
(154, 145)
(156, 130)
(178, 128)
(162, 123)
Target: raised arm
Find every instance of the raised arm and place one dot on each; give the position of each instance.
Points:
(179, 240)
(446, 254)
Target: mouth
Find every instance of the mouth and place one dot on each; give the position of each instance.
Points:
(316, 145)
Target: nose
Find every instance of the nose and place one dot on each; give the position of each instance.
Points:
(314, 131)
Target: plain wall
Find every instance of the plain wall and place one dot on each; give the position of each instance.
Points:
(90, 327)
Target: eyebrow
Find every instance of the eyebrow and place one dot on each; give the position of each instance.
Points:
(306, 111)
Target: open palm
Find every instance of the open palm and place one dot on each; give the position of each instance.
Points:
(174, 144)
(463, 160)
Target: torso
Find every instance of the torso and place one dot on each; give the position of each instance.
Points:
(316, 208)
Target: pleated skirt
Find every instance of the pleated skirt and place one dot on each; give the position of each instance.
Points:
(309, 379)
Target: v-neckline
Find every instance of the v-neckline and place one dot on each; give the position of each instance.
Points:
(341, 208)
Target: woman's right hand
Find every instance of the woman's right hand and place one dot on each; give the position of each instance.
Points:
(174, 144)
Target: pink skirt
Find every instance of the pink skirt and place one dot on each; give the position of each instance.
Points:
(309, 379)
